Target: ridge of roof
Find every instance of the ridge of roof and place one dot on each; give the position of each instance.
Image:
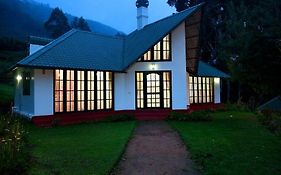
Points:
(165, 18)
(164, 25)
(124, 46)
(102, 35)
(52, 44)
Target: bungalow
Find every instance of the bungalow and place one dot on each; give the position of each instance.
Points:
(86, 76)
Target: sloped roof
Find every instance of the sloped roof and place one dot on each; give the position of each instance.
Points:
(138, 42)
(86, 50)
(79, 50)
(274, 104)
(205, 69)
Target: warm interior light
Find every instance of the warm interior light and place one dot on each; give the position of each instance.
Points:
(217, 80)
(19, 78)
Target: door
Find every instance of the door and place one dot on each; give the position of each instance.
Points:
(153, 90)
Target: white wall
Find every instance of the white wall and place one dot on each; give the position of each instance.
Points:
(23, 104)
(217, 90)
(33, 48)
(125, 83)
(43, 92)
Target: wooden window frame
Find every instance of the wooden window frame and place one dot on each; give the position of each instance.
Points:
(104, 91)
(151, 51)
(145, 89)
(204, 91)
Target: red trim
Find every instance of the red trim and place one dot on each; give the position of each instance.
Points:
(140, 114)
(205, 106)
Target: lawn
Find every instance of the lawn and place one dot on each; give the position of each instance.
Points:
(234, 143)
(79, 149)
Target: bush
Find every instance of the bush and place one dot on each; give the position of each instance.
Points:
(194, 116)
(119, 118)
(14, 157)
(272, 120)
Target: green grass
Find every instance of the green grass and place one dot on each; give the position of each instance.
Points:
(234, 143)
(6, 93)
(79, 149)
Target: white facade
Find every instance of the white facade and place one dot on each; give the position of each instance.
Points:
(125, 83)
(40, 102)
(43, 92)
(34, 48)
(24, 104)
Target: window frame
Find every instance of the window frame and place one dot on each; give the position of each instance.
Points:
(85, 82)
(151, 51)
(144, 89)
(207, 92)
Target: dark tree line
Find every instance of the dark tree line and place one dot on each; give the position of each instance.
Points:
(243, 38)
(58, 24)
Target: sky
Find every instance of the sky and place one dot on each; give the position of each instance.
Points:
(120, 14)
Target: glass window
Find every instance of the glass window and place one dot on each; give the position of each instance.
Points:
(69, 90)
(59, 90)
(153, 90)
(161, 51)
(83, 90)
(26, 83)
(200, 90)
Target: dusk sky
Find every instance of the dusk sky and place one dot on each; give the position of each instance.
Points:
(118, 14)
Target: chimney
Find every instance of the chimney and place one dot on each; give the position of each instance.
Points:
(142, 13)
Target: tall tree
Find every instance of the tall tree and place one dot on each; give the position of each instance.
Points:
(83, 25)
(211, 26)
(57, 23)
(80, 23)
(74, 23)
(251, 45)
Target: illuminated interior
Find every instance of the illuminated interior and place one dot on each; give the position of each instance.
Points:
(160, 51)
(83, 90)
(201, 90)
(153, 90)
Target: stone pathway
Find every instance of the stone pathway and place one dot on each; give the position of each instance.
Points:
(155, 149)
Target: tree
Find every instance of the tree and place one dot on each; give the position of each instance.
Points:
(211, 26)
(74, 23)
(181, 4)
(80, 24)
(83, 25)
(251, 45)
(57, 23)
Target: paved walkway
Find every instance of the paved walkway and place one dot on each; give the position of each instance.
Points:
(155, 149)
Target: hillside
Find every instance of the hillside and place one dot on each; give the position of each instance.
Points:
(22, 18)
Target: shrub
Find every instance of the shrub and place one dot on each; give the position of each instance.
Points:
(13, 146)
(272, 120)
(194, 116)
(119, 118)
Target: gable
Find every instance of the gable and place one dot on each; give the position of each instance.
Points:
(90, 51)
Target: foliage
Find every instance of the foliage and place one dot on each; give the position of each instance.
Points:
(92, 148)
(14, 153)
(57, 23)
(119, 118)
(219, 146)
(181, 5)
(272, 120)
(251, 44)
(195, 116)
(6, 94)
(80, 24)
